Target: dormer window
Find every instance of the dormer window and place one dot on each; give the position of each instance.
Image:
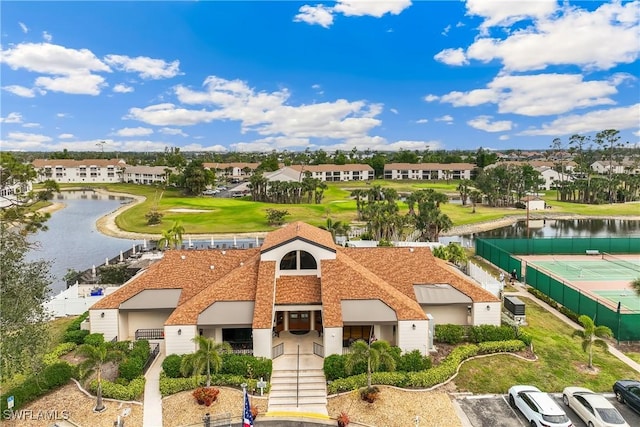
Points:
(298, 260)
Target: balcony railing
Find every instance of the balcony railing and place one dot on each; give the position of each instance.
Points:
(149, 334)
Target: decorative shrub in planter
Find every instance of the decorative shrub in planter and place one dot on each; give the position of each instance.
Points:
(343, 419)
(254, 411)
(205, 395)
(369, 394)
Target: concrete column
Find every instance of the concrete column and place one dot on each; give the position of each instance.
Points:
(286, 320)
(312, 320)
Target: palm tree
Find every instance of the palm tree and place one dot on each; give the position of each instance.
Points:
(172, 236)
(95, 358)
(375, 354)
(635, 285)
(591, 336)
(207, 356)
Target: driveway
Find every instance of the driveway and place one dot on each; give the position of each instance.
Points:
(494, 410)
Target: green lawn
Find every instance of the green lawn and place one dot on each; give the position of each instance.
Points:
(560, 361)
(242, 215)
(633, 356)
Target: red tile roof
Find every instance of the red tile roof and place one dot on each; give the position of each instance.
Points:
(298, 230)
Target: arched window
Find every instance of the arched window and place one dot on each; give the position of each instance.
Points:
(298, 260)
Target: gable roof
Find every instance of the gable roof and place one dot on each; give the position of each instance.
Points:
(298, 230)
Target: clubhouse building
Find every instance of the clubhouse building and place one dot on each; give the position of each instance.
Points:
(298, 281)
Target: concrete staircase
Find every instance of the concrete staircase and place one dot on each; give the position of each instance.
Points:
(298, 391)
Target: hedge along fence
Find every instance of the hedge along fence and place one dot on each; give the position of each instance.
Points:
(428, 378)
(624, 325)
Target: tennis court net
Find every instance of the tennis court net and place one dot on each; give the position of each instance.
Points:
(621, 262)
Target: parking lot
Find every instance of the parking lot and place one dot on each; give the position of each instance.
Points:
(494, 410)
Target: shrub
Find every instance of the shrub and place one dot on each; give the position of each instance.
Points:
(570, 314)
(60, 350)
(122, 346)
(482, 333)
(171, 365)
(131, 368)
(75, 336)
(488, 347)
(413, 361)
(170, 386)
(118, 391)
(94, 339)
(369, 394)
(206, 395)
(343, 419)
(444, 370)
(141, 350)
(450, 334)
(334, 367)
(52, 377)
(246, 365)
(75, 325)
(525, 337)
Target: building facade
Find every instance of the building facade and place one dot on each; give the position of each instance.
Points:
(297, 281)
(65, 171)
(429, 171)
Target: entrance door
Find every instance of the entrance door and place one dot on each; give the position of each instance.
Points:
(299, 321)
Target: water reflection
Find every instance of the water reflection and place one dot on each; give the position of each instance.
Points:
(568, 228)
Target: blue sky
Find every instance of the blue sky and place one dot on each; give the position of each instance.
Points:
(258, 76)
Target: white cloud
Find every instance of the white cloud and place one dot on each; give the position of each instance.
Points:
(446, 118)
(24, 141)
(122, 88)
(484, 123)
(446, 30)
(31, 125)
(148, 68)
(65, 136)
(636, 133)
(320, 15)
(264, 112)
(422, 121)
(270, 143)
(12, 118)
(497, 13)
(452, 57)
(129, 132)
(173, 131)
(75, 84)
(503, 137)
(411, 145)
(63, 115)
(599, 39)
(46, 36)
(323, 15)
(393, 110)
(22, 91)
(615, 118)
(376, 8)
(431, 98)
(538, 95)
(49, 58)
(23, 27)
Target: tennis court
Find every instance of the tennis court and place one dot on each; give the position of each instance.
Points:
(606, 277)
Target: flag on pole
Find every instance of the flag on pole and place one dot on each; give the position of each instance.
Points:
(247, 418)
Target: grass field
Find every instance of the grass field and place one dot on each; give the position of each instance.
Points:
(223, 215)
(560, 362)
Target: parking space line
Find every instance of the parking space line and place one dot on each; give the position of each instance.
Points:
(515, 412)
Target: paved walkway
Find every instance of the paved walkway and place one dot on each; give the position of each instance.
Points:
(152, 416)
(617, 353)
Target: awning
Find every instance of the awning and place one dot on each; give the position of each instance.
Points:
(228, 313)
(439, 294)
(367, 310)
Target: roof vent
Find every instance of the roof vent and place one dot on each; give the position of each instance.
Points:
(241, 264)
(224, 252)
(410, 249)
(183, 257)
(211, 267)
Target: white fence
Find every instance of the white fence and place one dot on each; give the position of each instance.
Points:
(70, 302)
(486, 280)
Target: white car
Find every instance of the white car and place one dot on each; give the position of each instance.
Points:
(594, 409)
(538, 408)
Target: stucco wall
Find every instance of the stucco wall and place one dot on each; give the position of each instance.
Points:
(385, 332)
(179, 343)
(410, 339)
(145, 319)
(482, 316)
(107, 325)
(443, 314)
(332, 341)
(262, 342)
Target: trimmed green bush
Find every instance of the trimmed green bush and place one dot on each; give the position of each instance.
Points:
(450, 334)
(131, 368)
(123, 346)
(246, 365)
(75, 325)
(482, 333)
(120, 392)
(488, 347)
(60, 350)
(525, 337)
(171, 366)
(170, 386)
(94, 339)
(442, 372)
(413, 361)
(52, 377)
(141, 350)
(334, 367)
(75, 336)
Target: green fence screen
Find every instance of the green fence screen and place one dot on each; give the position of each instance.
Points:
(560, 246)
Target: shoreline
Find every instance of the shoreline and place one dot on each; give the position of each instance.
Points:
(107, 223)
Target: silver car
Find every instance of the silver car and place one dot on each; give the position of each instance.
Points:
(594, 409)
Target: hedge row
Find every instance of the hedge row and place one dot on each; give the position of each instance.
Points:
(132, 391)
(413, 361)
(243, 365)
(169, 386)
(429, 377)
(52, 377)
(60, 350)
(455, 334)
(553, 303)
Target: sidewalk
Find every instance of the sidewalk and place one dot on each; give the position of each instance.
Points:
(617, 353)
(152, 416)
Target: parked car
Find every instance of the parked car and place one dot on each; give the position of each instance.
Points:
(628, 391)
(594, 409)
(538, 408)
